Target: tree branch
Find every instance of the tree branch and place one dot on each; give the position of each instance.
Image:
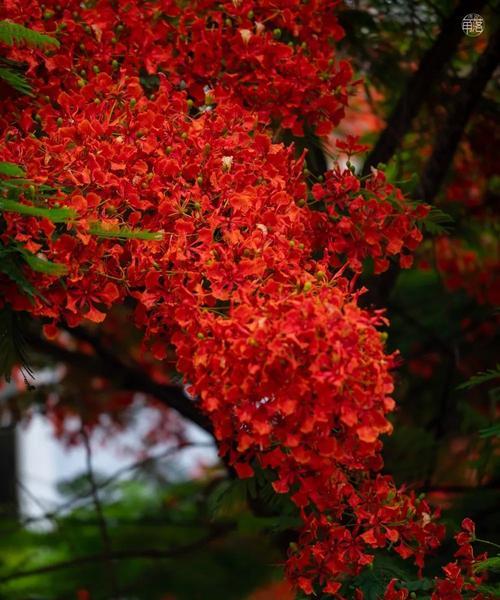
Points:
(459, 113)
(101, 519)
(69, 504)
(448, 138)
(147, 554)
(458, 489)
(126, 377)
(417, 87)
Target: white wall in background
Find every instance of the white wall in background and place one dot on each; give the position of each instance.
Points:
(43, 461)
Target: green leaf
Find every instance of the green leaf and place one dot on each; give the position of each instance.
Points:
(251, 524)
(489, 564)
(43, 265)
(12, 343)
(16, 80)
(285, 522)
(228, 498)
(423, 584)
(11, 169)
(493, 431)
(15, 185)
(437, 222)
(492, 590)
(12, 258)
(150, 82)
(126, 234)
(374, 579)
(371, 584)
(14, 34)
(480, 378)
(56, 215)
(10, 266)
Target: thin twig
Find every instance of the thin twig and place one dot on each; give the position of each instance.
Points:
(101, 519)
(68, 504)
(147, 553)
(461, 108)
(125, 376)
(417, 88)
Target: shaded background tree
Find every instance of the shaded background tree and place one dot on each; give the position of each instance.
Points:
(427, 104)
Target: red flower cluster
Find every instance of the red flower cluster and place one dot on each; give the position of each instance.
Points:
(367, 515)
(246, 281)
(474, 269)
(371, 220)
(459, 575)
(464, 268)
(460, 578)
(472, 178)
(214, 50)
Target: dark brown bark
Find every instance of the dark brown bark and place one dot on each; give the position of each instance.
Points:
(459, 113)
(447, 140)
(417, 88)
(126, 377)
(8, 469)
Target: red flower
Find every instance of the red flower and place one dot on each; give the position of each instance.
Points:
(251, 285)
